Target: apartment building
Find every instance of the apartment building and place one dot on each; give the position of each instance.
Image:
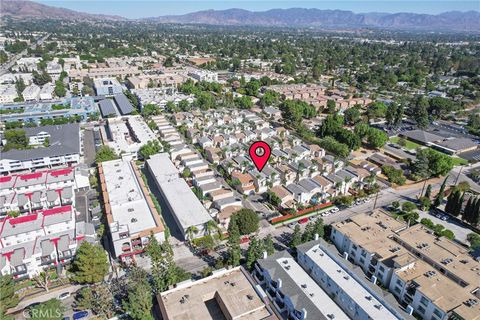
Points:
(433, 276)
(98, 72)
(8, 93)
(128, 134)
(63, 149)
(25, 193)
(292, 291)
(31, 93)
(203, 75)
(131, 215)
(184, 206)
(227, 294)
(81, 107)
(107, 86)
(354, 293)
(38, 227)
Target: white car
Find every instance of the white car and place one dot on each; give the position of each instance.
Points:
(64, 295)
(334, 210)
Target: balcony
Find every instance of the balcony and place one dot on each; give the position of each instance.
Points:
(67, 254)
(47, 260)
(20, 277)
(126, 247)
(280, 305)
(19, 270)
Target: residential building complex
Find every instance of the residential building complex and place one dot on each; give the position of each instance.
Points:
(107, 86)
(434, 276)
(182, 203)
(130, 213)
(43, 232)
(79, 107)
(292, 291)
(126, 135)
(227, 294)
(63, 149)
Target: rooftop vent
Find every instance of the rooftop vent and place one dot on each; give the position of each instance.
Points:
(304, 286)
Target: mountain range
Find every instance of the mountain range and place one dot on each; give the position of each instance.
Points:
(294, 17)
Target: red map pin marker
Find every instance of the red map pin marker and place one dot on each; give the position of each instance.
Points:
(259, 152)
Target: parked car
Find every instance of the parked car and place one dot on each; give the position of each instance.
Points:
(302, 221)
(64, 295)
(334, 210)
(245, 239)
(80, 315)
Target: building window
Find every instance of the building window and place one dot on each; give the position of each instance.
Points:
(397, 290)
(399, 282)
(424, 301)
(438, 313)
(381, 268)
(421, 309)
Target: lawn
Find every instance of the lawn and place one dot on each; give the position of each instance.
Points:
(459, 161)
(409, 144)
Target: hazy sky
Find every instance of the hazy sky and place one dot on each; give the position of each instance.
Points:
(151, 8)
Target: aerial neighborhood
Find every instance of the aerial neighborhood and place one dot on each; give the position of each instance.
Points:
(130, 183)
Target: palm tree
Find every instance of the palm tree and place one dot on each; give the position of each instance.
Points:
(300, 169)
(191, 231)
(211, 226)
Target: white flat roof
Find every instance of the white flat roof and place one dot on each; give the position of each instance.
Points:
(181, 199)
(126, 198)
(311, 289)
(349, 285)
(121, 138)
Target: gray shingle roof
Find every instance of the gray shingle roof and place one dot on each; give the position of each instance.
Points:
(64, 140)
(123, 104)
(107, 107)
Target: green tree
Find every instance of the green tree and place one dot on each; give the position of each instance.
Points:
(49, 310)
(234, 251)
(149, 149)
(352, 115)
(296, 237)
(408, 206)
(105, 153)
(138, 303)
(308, 233)
(268, 245)
(376, 138)
(319, 227)
(269, 98)
(394, 175)
(90, 264)
(428, 191)
(150, 109)
(97, 298)
(441, 193)
(243, 102)
(454, 203)
(246, 220)
(59, 89)
(474, 239)
(8, 297)
(331, 106)
(16, 139)
(254, 252)
(376, 110)
(420, 112)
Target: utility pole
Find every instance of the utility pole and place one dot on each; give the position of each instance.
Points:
(423, 188)
(375, 203)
